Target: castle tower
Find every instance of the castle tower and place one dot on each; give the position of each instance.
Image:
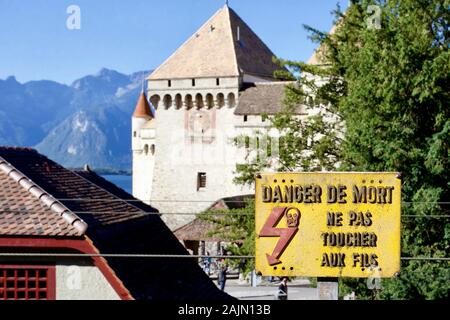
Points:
(195, 93)
(143, 148)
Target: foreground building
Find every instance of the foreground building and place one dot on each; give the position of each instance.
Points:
(217, 86)
(57, 225)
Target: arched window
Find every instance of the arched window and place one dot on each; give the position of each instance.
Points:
(154, 100)
(231, 100)
(152, 149)
(146, 149)
(188, 101)
(220, 100)
(178, 101)
(209, 100)
(199, 101)
(167, 101)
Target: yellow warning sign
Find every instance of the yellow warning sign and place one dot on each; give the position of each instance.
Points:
(344, 224)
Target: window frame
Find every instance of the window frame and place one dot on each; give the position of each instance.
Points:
(201, 185)
(50, 280)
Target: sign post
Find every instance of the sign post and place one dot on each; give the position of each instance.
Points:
(343, 224)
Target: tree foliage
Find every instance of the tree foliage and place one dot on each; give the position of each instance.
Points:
(388, 86)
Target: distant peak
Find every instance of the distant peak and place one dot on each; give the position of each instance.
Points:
(11, 79)
(105, 72)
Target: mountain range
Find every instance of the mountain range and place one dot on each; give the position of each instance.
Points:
(88, 122)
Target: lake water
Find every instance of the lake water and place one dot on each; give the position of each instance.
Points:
(122, 181)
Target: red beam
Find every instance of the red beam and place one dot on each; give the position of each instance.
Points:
(82, 245)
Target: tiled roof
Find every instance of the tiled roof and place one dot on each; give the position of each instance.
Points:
(215, 51)
(263, 97)
(128, 231)
(26, 209)
(142, 109)
(197, 230)
(96, 206)
(114, 190)
(23, 214)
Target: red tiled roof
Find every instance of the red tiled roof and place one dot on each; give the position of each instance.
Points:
(142, 109)
(23, 214)
(26, 209)
(96, 206)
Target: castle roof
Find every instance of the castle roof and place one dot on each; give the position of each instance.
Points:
(224, 46)
(142, 109)
(263, 97)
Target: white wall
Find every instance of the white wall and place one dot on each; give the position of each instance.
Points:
(143, 170)
(178, 162)
(75, 278)
(81, 280)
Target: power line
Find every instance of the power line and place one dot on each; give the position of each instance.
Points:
(209, 213)
(195, 201)
(176, 256)
(134, 212)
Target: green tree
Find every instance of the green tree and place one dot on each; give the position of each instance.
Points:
(386, 78)
(397, 116)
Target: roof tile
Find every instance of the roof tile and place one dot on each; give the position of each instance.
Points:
(23, 214)
(263, 97)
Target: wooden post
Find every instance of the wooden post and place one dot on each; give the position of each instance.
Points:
(328, 288)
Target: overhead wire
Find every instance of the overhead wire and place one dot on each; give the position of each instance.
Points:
(186, 256)
(207, 213)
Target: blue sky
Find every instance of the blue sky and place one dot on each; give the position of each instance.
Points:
(135, 35)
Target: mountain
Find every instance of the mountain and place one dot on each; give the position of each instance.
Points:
(88, 122)
(26, 109)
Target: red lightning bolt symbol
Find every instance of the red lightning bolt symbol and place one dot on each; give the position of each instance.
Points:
(285, 234)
